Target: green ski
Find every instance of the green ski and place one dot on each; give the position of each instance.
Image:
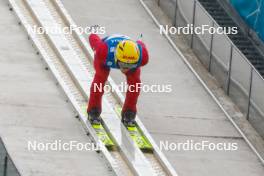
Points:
(101, 133)
(136, 135)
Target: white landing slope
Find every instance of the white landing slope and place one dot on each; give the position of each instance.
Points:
(33, 108)
(188, 112)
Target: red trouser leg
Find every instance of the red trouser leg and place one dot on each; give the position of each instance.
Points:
(96, 90)
(133, 81)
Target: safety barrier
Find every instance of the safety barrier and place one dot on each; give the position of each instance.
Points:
(222, 58)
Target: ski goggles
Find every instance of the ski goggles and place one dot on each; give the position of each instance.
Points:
(123, 65)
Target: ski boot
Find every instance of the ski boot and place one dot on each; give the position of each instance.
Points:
(94, 116)
(128, 118)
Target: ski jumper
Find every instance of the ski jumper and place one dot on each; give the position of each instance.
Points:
(104, 60)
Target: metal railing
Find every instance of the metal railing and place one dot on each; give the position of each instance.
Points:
(7, 167)
(222, 58)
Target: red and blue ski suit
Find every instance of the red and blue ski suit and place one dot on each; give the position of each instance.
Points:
(102, 57)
